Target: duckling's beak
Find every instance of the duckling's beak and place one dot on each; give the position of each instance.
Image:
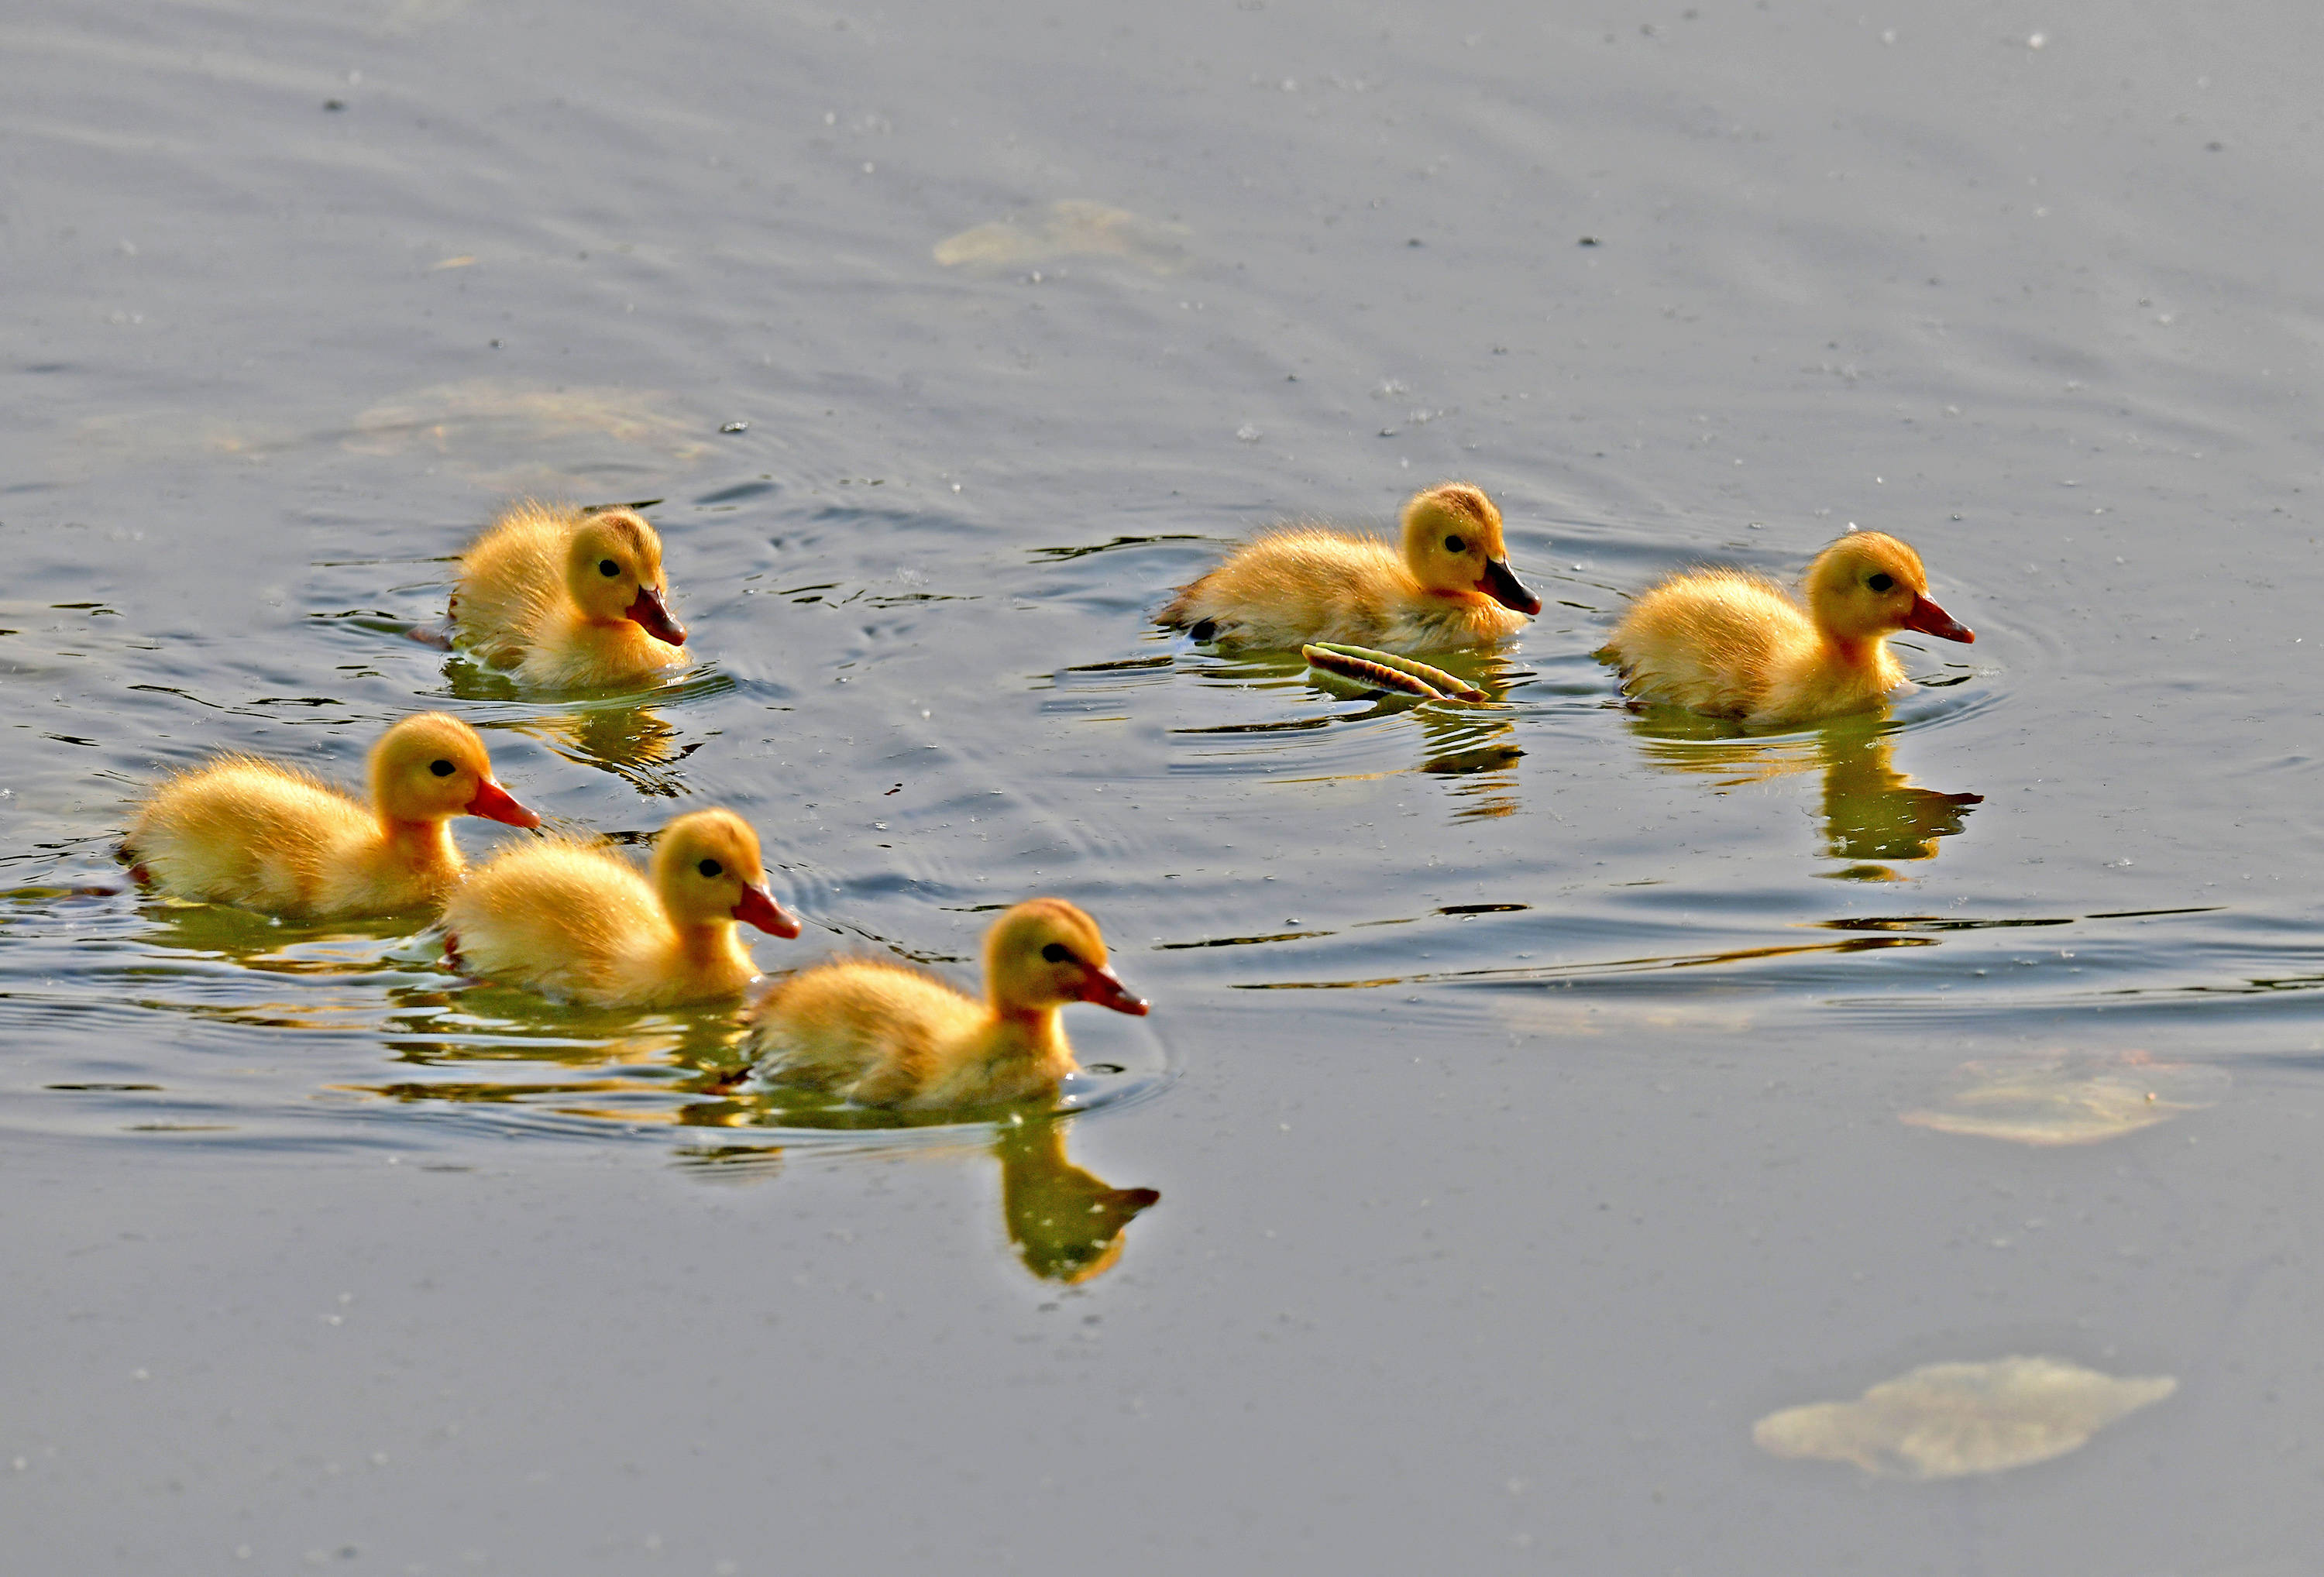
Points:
(1105, 988)
(650, 613)
(495, 803)
(1932, 620)
(1499, 582)
(760, 908)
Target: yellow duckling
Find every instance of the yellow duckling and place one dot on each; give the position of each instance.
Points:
(576, 920)
(252, 831)
(1448, 587)
(569, 598)
(886, 1035)
(1733, 644)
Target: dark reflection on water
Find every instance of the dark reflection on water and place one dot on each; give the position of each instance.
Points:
(1871, 812)
(1514, 972)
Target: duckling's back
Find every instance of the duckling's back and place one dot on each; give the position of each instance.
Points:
(250, 832)
(869, 1028)
(1714, 641)
(565, 917)
(1300, 585)
(511, 581)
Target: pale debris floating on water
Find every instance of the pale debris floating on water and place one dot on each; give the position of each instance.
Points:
(1950, 1420)
(2069, 1099)
(476, 424)
(1070, 228)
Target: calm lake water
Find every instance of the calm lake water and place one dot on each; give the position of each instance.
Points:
(1538, 1096)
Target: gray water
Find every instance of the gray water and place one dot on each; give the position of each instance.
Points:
(1526, 1088)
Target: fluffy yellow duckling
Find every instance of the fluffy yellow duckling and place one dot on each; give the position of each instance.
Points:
(1448, 587)
(569, 598)
(576, 920)
(252, 831)
(885, 1035)
(1733, 644)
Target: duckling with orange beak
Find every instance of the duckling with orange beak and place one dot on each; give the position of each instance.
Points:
(885, 1035)
(267, 837)
(576, 920)
(568, 598)
(1448, 585)
(1730, 643)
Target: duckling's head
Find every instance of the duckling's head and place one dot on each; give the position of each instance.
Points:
(706, 868)
(1867, 583)
(613, 566)
(1452, 543)
(432, 767)
(1046, 953)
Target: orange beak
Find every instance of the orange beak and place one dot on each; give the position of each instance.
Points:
(495, 803)
(1501, 582)
(760, 908)
(1932, 620)
(1105, 988)
(651, 614)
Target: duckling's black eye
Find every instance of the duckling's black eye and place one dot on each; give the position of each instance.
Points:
(1455, 545)
(1056, 953)
(441, 768)
(1882, 582)
(711, 868)
(608, 568)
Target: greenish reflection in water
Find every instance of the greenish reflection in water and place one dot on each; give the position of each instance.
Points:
(1874, 816)
(1066, 1222)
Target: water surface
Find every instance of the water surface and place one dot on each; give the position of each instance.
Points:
(1537, 1095)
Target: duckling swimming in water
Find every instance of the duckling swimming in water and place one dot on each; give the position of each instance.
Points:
(576, 921)
(886, 1035)
(251, 832)
(1730, 643)
(568, 598)
(1447, 586)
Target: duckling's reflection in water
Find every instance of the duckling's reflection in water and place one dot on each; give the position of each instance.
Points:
(1871, 811)
(1067, 1223)
(613, 732)
(635, 743)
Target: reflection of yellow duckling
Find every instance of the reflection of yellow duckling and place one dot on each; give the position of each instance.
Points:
(568, 598)
(1450, 586)
(886, 1035)
(252, 831)
(1066, 1223)
(1871, 811)
(1733, 644)
(576, 920)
